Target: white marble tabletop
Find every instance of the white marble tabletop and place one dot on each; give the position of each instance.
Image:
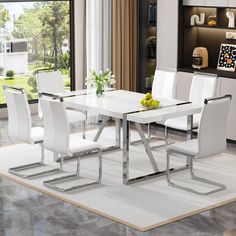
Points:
(114, 103)
(165, 113)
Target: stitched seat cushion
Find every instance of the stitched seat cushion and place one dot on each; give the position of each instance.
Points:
(189, 147)
(181, 122)
(77, 144)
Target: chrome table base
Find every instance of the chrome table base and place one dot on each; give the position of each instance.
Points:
(126, 143)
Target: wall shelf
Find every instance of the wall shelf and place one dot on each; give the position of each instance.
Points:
(209, 27)
(210, 37)
(220, 73)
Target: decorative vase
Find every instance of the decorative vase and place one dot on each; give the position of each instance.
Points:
(99, 90)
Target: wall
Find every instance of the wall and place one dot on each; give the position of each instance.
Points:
(79, 18)
(167, 34)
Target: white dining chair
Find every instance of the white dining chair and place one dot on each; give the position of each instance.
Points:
(52, 82)
(57, 138)
(203, 86)
(164, 84)
(163, 87)
(20, 129)
(211, 140)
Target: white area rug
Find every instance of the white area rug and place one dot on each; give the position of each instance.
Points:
(144, 205)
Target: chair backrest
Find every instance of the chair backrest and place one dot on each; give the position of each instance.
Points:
(164, 84)
(49, 82)
(213, 125)
(19, 118)
(203, 86)
(56, 128)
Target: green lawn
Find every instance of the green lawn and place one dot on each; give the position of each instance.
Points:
(19, 81)
(22, 82)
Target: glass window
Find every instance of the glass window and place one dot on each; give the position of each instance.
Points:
(34, 36)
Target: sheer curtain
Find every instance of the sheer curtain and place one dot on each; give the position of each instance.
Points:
(98, 38)
(98, 34)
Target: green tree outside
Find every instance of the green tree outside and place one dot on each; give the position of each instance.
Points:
(4, 16)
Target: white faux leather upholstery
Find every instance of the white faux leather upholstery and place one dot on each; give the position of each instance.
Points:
(19, 118)
(164, 84)
(37, 134)
(212, 128)
(75, 116)
(56, 128)
(189, 147)
(52, 82)
(212, 132)
(181, 122)
(211, 140)
(77, 144)
(203, 86)
(56, 135)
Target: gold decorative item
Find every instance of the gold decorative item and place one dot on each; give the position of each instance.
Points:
(211, 20)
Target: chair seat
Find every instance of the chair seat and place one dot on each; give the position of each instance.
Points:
(77, 144)
(75, 116)
(37, 134)
(181, 122)
(189, 147)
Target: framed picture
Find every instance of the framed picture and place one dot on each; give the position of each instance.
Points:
(227, 57)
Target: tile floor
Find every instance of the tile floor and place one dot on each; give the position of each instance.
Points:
(25, 212)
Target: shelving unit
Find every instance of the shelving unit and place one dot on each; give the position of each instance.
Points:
(204, 35)
(147, 44)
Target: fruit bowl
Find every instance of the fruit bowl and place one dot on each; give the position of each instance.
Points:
(149, 103)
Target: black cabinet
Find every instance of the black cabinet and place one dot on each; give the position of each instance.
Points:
(147, 37)
(207, 35)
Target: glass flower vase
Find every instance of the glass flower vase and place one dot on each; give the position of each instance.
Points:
(99, 90)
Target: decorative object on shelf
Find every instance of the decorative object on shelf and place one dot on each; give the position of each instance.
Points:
(149, 102)
(100, 80)
(200, 58)
(231, 18)
(227, 57)
(211, 20)
(151, 46)
(152, 13)
(195, 19)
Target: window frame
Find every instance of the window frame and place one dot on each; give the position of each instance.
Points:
(72, 42)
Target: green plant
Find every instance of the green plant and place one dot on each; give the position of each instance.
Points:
(32, 82)
(1, 70)
(67, 82)
(99, 80)
(10, 74)
(64, 61)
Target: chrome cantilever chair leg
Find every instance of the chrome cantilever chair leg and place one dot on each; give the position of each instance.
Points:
(19, 170)
(193, 176)
(84, 129)
(56, 184)
(84, 126)
(166, 136)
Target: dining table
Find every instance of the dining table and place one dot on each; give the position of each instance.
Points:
(125, 108)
